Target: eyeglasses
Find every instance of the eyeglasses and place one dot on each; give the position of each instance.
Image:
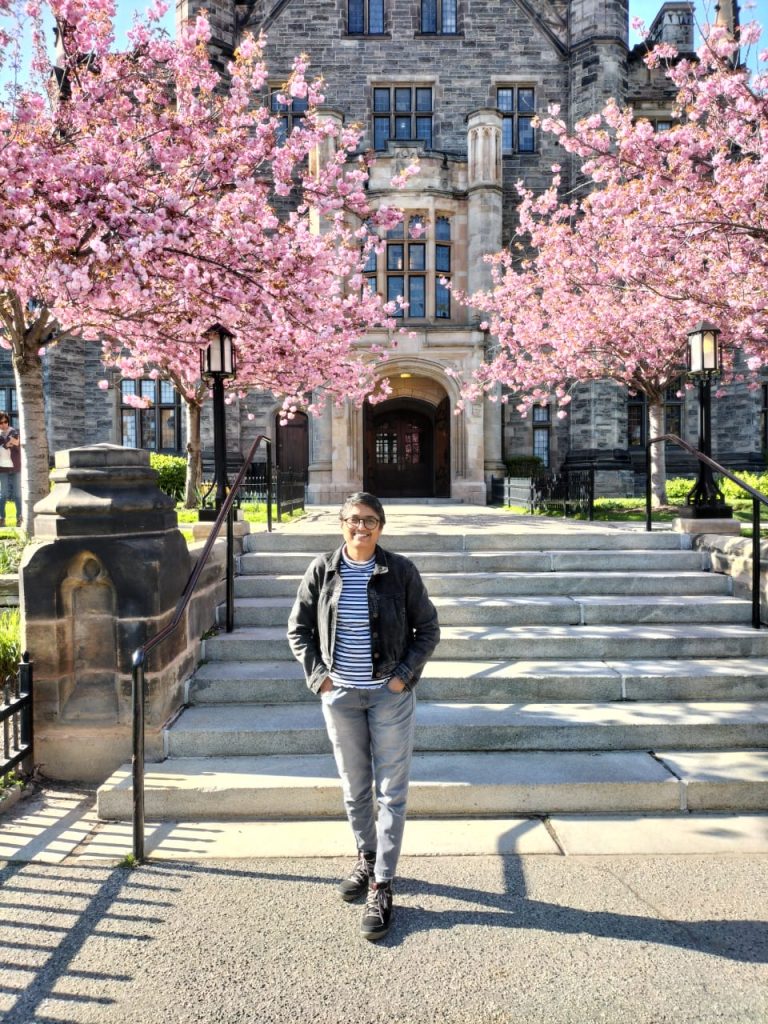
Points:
(369, 522)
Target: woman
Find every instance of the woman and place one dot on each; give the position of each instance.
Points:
(10, 468)
(363, 627)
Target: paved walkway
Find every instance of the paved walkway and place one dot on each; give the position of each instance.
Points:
(446, 516)
(641, 919)
(476, 940)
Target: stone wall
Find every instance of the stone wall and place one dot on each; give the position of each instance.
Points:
(103, 575)
(733, 557)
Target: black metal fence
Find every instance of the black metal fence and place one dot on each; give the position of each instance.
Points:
(291, 491)
(572, 491)
(288, 486)
(16, 717)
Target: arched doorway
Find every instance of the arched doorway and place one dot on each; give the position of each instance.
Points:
(292, 447)
(407, 449)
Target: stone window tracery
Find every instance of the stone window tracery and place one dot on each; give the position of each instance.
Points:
(417, 264)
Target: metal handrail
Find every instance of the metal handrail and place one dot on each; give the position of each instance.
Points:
(758, 499)
(139, 657)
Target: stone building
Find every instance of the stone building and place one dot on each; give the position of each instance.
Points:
(456, 83)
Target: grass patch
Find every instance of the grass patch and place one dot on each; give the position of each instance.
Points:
(10, 782)
(252, 513)
(11, 548)
(10, 642)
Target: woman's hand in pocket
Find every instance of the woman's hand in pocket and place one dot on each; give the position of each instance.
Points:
(396, 684)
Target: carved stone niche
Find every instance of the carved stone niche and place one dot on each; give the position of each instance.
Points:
(103, 575)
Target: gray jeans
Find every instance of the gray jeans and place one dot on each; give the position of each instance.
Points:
(372, 736)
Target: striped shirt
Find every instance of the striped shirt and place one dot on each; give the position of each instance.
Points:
(352, 662)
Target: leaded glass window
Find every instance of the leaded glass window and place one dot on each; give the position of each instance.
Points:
(402, 112)
(365, 17)
(518, 108)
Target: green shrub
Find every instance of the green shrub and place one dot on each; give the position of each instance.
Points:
(171, 474)
(11, 549)
(523, 465)
(10, 641)
(733, 492)
(678, 488)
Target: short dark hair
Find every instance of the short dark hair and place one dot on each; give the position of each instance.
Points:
(4, 416)
(364, 498)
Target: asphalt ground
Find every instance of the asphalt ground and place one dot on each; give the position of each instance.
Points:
(485, 940)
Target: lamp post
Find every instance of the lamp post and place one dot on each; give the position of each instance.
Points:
(217, 362)
(705, 499)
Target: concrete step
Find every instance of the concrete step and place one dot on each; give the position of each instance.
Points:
(564, 584)
(555, 642)
(625, 561)
(279, 787)
(520, 611)
(256, 729)
(528, 538)
(507, 681)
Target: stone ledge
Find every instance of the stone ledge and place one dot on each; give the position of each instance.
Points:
(732, 556)
(698, 527)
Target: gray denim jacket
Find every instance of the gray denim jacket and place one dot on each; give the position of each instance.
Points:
(403, 620)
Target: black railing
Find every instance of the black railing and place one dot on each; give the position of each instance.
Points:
(139, 658)
(16, 716)
(288, 487)
(758, 499)
(254, 483)
(572, 490)
(291, 492)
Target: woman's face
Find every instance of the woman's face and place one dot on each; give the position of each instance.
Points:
(360, 539)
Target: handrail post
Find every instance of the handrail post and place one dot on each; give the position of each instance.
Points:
(269, 487)
(230, 608)
(137, 764)
(756, 563)
(27, 714)
(648, 522)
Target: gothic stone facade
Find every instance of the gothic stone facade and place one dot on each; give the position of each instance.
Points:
(455, 82)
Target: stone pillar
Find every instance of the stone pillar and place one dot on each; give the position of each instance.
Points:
(104, 573)
(484, 181)
(320, 456)
(322, 155)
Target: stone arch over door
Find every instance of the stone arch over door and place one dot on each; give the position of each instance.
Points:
(407, 442)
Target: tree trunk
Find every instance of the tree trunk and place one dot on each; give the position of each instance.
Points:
(194, 461)
(658, 463)
(35, 480)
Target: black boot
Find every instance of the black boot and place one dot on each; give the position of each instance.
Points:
(377, 915)
(357, 883)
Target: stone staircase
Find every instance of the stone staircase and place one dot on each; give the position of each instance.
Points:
(582, 669)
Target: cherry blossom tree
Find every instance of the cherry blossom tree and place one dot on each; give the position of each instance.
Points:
(674, 229)
(144, 196)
